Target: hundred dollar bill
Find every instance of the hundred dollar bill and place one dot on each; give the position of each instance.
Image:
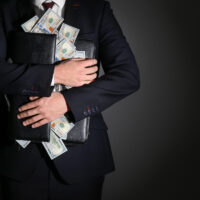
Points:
(27, 26)
(61, 127)
(69, 32)
(65, 50)
(37, 29)
(79, 54)
(49, 21)
(59, 37)
(55, 147)
(23, 143)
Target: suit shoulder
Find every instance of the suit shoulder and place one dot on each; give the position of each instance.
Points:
(95, 7)
(94, 3)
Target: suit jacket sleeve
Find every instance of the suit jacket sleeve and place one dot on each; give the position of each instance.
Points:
(121, 72)
(22, 79)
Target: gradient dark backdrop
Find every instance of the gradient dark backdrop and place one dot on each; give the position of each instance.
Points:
(154, 132)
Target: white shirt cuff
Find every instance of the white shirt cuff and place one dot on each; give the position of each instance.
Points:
(52, 81)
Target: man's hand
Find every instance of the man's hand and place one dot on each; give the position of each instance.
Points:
(43, 110)
(76, 72)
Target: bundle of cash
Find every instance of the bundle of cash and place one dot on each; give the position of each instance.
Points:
(49, 22)
(65, 49)
(59, 37)
(55, 147)
(61, 127)
(27, 26)
(66, 35)
(69, 32)
(37, 29)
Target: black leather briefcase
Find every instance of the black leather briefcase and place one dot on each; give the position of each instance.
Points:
(15, 128)
(32, 48)
(27, 48)
(80, 132)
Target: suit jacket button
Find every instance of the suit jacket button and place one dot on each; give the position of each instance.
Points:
(85, 113)
(97, 108)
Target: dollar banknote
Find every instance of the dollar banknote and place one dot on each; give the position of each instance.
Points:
(61, 127)
(59, 37)
(27, 26)
(50, 21)
(37, 29)
(79, 54)
(65, 50)
(23, 143)
(69, 32)
(55, 147)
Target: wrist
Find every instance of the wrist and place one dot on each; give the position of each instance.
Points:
(56, 75)
(66, 104)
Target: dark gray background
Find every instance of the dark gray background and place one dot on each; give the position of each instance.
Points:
(153, 133)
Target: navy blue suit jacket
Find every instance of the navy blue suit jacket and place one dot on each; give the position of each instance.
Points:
(96, 22)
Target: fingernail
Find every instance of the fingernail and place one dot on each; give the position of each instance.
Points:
(33, 126)
(18, 116)
(24, 123)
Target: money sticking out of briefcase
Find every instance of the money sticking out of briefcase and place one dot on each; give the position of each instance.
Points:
(22, 44)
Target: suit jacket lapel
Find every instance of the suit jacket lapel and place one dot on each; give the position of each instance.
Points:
(25, 10)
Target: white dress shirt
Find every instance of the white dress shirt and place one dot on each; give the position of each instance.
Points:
(57, 8)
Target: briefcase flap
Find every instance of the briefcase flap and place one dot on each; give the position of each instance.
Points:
(34, 48)
(16, 130)
(86, 45)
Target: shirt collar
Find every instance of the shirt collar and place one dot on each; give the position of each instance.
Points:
(60, 3)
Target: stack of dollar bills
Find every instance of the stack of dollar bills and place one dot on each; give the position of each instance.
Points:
(52, 23)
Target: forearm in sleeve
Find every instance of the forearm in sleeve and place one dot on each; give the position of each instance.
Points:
(121, 73)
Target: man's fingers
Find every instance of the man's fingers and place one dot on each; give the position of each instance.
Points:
(28, 113)
(32, 120)
(28, 106)
(88, 62)
(40, 123)
(88, 82)
(77, 59)
(91, 70)
(90, 77)
(33, 98)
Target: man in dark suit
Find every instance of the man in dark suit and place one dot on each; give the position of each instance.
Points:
(79, 173)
